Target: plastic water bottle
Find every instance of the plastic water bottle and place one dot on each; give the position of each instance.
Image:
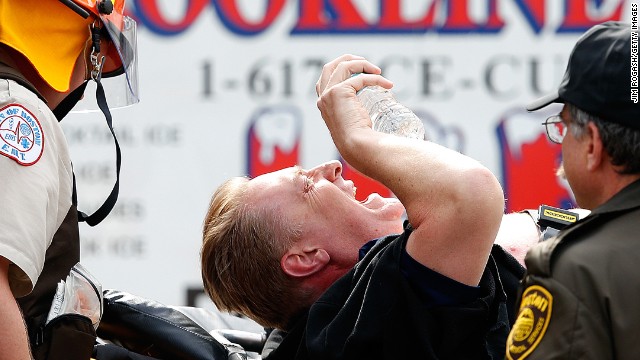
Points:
(388, 115)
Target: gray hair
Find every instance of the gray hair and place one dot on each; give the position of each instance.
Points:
(620, 142)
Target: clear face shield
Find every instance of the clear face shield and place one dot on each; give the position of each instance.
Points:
(118, 67)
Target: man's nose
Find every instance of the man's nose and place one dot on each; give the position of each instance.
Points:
(331, 170)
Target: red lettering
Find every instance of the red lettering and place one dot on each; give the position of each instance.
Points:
(577, 18)
(392, 20)
(341, 16)
(149, 14)
(458, 19)
(534, 12)
(236, 22)
(329, 14)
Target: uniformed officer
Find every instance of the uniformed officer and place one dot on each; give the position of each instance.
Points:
(49, 49)
(579, 297)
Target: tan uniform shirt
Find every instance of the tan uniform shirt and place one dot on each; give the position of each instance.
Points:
(36, 182)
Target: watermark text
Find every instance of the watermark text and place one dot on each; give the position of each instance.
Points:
(634, 52)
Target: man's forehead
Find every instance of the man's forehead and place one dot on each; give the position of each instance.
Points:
(271, 176)
(270, 182)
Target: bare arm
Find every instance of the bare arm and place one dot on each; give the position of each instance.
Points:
(13, 335)
(519, 232)
(453, 202)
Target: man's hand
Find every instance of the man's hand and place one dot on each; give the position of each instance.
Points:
(341, 110)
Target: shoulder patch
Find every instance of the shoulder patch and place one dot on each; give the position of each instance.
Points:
(531, 324)
(21, 134)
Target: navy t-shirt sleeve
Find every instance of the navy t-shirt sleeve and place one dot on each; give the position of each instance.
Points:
(433, 288)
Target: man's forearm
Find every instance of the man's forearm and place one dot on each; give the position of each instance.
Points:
(413, 170)
(453, 202)
(13, 336)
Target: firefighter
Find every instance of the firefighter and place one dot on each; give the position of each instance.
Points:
(49, 51)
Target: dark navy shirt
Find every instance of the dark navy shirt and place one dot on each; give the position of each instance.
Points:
(433, 288)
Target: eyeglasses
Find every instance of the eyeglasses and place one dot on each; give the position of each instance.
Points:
(556, 129)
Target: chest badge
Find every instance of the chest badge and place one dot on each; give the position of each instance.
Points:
(21, 135)
(531, 324)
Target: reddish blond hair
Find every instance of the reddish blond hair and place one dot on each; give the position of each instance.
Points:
(240, 257)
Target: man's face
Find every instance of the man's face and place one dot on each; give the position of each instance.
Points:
(323, 203)
(573, 166)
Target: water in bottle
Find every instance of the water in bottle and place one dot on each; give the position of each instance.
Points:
(388, 115)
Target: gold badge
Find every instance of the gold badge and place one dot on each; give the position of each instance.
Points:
(531, 324)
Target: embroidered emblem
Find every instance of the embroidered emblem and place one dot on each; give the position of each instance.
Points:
(21, 134)
(531, 324)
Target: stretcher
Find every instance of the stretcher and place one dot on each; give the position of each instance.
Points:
(135, 328)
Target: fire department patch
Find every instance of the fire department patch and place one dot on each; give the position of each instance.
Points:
(531, 324)
(21, 134)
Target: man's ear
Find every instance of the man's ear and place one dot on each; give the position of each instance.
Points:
(595, 150)
(304, 262)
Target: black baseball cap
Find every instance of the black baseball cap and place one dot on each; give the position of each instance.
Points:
(598, 76)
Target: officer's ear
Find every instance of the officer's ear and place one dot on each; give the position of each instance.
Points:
(305, 261)
(594, 146)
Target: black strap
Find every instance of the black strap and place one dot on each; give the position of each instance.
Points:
(69, 102)
(110, 202)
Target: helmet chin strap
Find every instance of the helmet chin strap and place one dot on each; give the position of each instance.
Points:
(69, 102)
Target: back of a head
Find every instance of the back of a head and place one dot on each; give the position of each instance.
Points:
(598, 82)
(240, 258)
